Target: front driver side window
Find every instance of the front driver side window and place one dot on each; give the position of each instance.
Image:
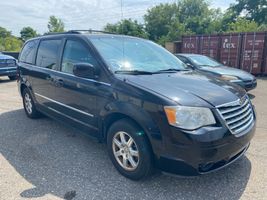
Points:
(75, 52)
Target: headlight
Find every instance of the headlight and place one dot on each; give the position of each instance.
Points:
(189, 118)
(228, 78)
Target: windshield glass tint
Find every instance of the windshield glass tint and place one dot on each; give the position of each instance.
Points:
(129, 54)
(204, 61)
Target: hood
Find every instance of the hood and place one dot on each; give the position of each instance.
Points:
(2, 56)
(188, 88)
(223, 70)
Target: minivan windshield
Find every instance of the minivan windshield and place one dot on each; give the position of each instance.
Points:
(127, 54)
(204, 61)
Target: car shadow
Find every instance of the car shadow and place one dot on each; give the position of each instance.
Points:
(5, 80)
(59, 160)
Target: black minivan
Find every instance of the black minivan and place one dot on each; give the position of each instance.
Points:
(150, 109)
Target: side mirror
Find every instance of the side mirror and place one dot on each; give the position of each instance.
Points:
(189, 65)
(85, 70)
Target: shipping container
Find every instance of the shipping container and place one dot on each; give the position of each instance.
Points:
(190, 44)
(174, 47)
(209, 45)
(252, 57)
(247, 51)
(230, 49)
(264, 69)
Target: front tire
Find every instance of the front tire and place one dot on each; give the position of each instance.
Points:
(129, 150)
(29, 105)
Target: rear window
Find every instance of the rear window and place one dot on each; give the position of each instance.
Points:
(47, 54)
(28, 52)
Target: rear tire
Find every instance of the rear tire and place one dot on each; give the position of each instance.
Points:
(129, 150)
(12, 78)
(29, 105)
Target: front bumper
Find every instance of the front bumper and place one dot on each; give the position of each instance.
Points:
(247, 84)
(211, 149)
(8, 71)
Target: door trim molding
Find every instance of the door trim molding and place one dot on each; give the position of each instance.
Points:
(74, 119)
(62, 104)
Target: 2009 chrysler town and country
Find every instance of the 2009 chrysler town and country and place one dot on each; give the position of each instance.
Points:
(148, 107)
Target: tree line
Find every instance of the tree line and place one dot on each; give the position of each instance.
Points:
(168, 22)
(9, 42)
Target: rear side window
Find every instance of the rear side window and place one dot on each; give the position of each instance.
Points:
(47, 54)
(75, 52)
(28, 52)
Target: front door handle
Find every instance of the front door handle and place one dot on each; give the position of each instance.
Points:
(48, 78)
(59, 82)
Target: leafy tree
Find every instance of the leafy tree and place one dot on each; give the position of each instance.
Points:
(196, 15)
(243, 25)
(27, 33)
(176, 29)
(8, 42)
(4, 33)
(228, 17)
(159, 19)
(127, 27)
(263, 27)
(167, 22)
(55, 25)
(255, 10)
(216, 23)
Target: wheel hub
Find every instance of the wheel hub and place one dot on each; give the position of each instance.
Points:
(125, 151)
(28, 103)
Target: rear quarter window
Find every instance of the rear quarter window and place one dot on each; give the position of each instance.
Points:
(47, 54)
(28, 52)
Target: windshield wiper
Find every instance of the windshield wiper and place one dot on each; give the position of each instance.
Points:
(209, 65)
(140, 72)
(204, 65)
(171, 70)
(133, 72)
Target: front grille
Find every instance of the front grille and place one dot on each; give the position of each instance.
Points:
(237, 115)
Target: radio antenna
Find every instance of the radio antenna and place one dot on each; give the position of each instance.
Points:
(123, 55)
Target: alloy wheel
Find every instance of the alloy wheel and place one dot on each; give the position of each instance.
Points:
(28, 103)
(125, 151)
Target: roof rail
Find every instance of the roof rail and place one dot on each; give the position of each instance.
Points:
(88, 31)
(56, 33)
(78, 32)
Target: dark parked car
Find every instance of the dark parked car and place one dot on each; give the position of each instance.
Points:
(208, 65)
(139, 99)
(8, 66)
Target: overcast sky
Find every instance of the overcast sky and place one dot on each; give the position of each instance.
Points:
(76, 14)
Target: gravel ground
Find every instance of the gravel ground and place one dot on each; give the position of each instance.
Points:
(43, 159)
